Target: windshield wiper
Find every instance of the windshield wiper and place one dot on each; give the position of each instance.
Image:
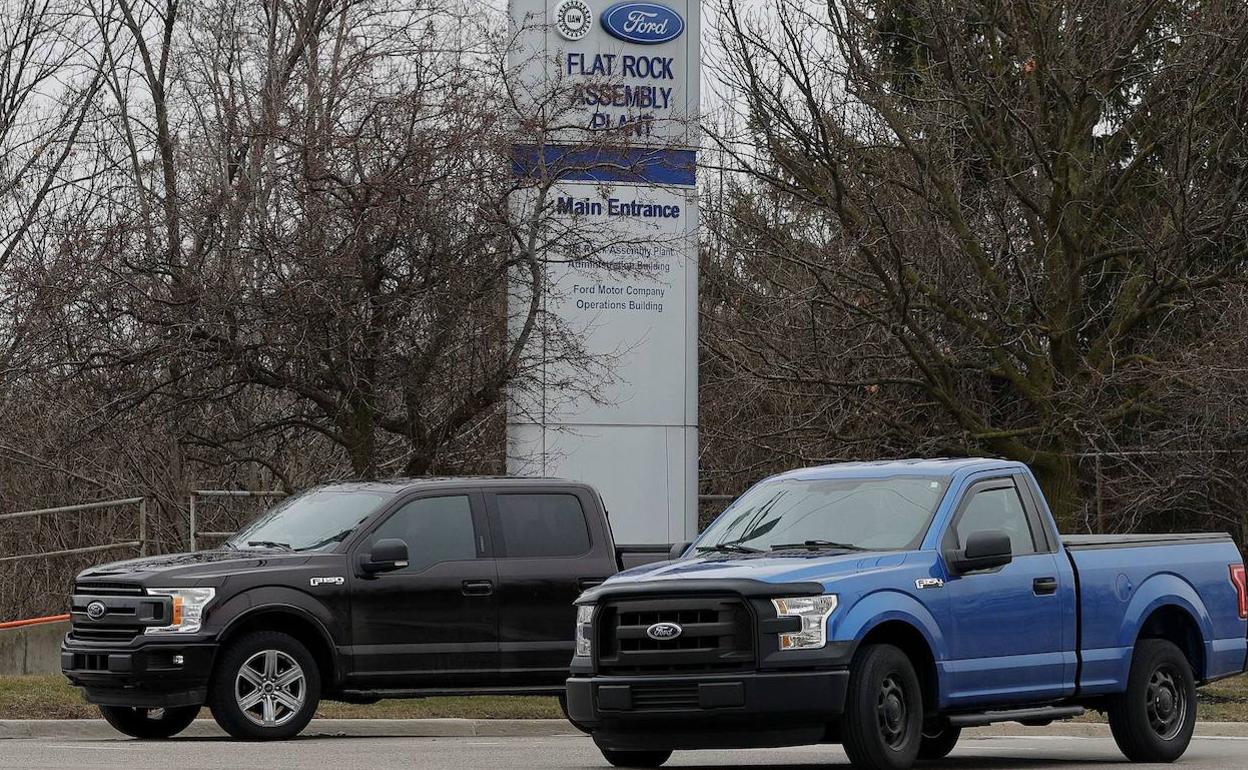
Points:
(812, 545)
(269, 544)
(729, 548)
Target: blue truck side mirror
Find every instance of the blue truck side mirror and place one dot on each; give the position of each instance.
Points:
(987, 549)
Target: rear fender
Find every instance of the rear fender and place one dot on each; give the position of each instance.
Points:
(1158, 591)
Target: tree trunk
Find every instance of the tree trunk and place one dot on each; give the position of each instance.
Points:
(1058, 475)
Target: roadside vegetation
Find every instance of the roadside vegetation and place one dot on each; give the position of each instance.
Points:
(49, 697)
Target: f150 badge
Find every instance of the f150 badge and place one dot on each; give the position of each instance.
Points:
(922, 583)
(327, 581)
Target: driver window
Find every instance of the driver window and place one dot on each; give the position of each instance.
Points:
(436, 529)
(999, 509)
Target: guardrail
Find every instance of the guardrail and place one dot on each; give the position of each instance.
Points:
(140, 544)
(195, 534)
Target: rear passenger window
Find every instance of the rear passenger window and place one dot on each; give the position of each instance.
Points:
(542, 525)
(999, 509)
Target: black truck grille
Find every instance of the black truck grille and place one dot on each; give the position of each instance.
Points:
(717, 634)
(117, 630)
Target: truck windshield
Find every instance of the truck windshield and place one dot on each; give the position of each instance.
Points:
(851, 514)
(313, 521)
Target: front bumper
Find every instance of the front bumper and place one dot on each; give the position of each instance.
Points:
(144, 676)
(740, 710)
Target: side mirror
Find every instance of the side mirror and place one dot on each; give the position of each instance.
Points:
(386, 556)
(678, 550)
(984, 550)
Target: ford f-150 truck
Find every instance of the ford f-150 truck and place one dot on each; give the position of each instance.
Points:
(886, 606)
(353, 591)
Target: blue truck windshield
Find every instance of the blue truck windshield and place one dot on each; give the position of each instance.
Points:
(868, 514)
(311, 521)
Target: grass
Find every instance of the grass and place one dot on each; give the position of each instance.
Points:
(50, 697)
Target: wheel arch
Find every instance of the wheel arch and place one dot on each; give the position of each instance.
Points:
(295, 621)
(1167, 607)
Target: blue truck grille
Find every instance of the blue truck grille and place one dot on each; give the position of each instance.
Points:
(716, 634)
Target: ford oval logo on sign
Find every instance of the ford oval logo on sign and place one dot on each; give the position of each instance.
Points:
(661, 632)
(645, 23)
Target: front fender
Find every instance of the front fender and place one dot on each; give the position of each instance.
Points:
(886, 605)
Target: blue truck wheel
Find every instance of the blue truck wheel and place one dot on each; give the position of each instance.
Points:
(1154, 719)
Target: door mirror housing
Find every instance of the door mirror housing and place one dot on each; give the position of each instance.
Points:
(988, 549)
(386, 556)
(678, 550)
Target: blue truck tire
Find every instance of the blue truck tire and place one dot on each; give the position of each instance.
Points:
(883, 722)
(1154, 719)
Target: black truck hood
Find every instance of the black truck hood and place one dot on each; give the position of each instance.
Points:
(204, 566)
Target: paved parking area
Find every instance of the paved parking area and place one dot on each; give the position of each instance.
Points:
(996, 752)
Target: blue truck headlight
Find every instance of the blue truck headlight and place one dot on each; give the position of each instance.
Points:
(813, 612)
(584, 630)
(187, 609)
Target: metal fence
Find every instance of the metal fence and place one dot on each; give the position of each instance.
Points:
(140, 544)
(195, 533)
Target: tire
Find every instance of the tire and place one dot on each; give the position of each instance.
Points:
(883, 722)
(938, 742)
(149, 724)
(265, 687)
(1154, 719)
(635, 758)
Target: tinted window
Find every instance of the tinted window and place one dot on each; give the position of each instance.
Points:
(542, 525)
(435, 529)
(998, 509)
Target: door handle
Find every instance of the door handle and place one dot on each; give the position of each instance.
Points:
(478, 587)
(1045, 586)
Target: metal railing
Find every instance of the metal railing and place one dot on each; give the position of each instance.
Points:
(194, 532)
(140, 544)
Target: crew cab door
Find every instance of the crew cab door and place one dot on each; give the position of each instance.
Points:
(433, 623)
(551, 545)
(1008, 625)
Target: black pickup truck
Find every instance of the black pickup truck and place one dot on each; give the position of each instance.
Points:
(352, 592)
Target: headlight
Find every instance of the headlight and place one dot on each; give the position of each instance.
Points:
(188, 609)
(814, 612)
(584, 630)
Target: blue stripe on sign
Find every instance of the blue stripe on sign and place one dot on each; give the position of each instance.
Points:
(580, 164)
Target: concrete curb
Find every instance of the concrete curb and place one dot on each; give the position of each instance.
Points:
(98, 729)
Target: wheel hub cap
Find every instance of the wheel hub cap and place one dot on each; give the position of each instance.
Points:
(1166, 704)
(270, 688)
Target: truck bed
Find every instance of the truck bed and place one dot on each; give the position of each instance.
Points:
(1121, 578)
(1084, 542)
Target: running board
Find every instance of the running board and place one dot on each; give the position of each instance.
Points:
(1040, 714)
(434, 692)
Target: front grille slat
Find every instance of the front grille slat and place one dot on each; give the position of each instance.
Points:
(82, 630)
(717, 634)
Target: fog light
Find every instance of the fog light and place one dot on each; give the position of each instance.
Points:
(178, 660)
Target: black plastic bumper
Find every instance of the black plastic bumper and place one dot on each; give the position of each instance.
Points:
(743, 710)
(154, 675)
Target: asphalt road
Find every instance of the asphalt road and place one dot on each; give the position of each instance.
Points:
(1045, 752)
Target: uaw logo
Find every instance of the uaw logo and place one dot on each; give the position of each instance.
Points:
(644, 23)
(573, 19)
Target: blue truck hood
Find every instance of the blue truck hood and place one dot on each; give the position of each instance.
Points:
(787, 568)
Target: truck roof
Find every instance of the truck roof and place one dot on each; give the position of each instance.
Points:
(940, 467)
(397, 485)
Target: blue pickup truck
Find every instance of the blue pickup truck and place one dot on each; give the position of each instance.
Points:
(886, 606)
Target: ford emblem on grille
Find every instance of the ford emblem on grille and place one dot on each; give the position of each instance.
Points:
(661, 632)
(96, 610)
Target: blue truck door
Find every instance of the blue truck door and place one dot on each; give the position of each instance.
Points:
(1006, 640)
